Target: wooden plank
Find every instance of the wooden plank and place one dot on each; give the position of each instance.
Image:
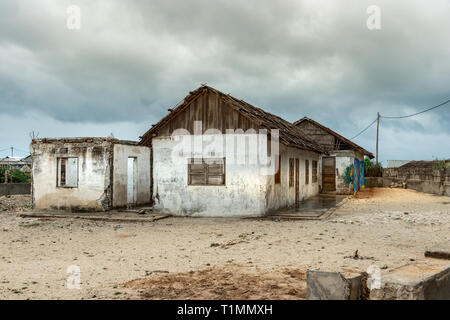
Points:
(328, 173)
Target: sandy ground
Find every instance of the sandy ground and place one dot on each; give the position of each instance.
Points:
(213, 258)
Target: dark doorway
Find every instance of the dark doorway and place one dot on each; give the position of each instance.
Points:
(297, 182)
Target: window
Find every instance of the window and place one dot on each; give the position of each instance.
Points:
(306, 171)
(206, 172)
(291, 172)
(314, 171)
(278, 174)
(68, 172)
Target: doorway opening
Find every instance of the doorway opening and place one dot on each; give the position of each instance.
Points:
(131, 181)
(329, 174)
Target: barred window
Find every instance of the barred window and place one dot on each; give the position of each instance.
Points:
(206, 172)
(291, 172)
(306, 171)
(278, 174)
(314, 171)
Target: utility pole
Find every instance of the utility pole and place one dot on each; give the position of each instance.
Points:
(378, 132)
(12, 152)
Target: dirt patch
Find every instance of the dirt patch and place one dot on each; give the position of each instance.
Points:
(124, 236)
(229, 282)
(227, 257)
(15, 203)
(366, 193)
(243, 238)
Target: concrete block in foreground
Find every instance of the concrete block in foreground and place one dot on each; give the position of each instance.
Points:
(439, 251)
(427, 279)
(323, 285)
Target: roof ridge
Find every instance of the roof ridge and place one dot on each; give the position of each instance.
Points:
(334, 133)
(289, 133)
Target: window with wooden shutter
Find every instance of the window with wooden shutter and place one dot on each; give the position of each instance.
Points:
(314, 171)
(291, 172)
(206, 172)
(306, 171)
(278, 174)
(67, 174)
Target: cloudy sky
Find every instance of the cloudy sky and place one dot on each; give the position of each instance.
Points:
(132, 60)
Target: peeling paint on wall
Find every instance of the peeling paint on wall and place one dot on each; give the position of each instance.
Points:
(96, 172)
(247, 192)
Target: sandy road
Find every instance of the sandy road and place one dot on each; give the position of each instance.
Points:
(214, 258)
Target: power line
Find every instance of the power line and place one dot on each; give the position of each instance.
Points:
(20, 150)
(365, 129)
(402, 117)
(13, 149)
(417, 113)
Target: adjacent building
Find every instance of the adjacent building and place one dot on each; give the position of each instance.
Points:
(343, 167)
(20, 163)
(89, 174)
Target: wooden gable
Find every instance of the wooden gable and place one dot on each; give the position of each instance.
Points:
(327, 140)
(212, 111)
(217, 110)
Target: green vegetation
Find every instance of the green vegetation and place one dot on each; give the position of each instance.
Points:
(372, 169)
(15, 176)
(441, 164)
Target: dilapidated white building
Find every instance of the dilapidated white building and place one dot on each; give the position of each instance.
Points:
(215, 155)
(89, 174)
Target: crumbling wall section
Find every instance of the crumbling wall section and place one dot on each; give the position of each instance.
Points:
(429, 179)
(244, 193)
(93, 192)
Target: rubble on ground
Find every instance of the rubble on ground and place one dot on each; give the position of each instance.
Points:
(15, 203)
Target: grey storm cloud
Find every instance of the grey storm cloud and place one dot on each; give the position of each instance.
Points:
(133, 59)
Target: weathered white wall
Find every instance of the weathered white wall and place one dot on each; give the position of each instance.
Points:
(93, 176)
(243, 194)
(281, 195)
(247, 191)
(120, 176)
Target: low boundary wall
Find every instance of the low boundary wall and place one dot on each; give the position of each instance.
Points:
(7, 189)
(419, 179)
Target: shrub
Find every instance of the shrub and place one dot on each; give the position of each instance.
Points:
(372, 169)
(15, 176)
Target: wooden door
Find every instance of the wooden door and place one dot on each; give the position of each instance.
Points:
(297, 182)
(329, 173)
